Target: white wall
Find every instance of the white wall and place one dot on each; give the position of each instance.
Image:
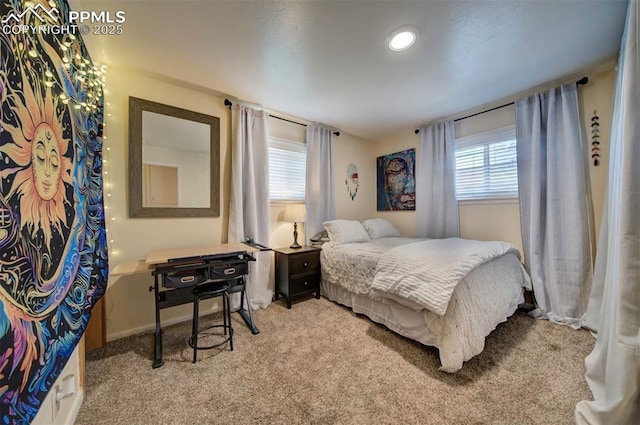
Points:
(129, 304)
(598, 96)
(500, 220)
(348, 149)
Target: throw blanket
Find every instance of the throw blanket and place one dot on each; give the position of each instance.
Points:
(425, 274)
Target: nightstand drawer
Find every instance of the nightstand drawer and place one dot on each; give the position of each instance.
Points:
(304, 264)
(303, 284)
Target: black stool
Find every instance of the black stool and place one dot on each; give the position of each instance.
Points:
(203, 292)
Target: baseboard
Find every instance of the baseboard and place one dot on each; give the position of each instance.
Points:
(152, 326)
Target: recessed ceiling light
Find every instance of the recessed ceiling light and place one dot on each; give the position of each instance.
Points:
(402, 39)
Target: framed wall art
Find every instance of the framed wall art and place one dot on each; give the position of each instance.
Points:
(351, 181)
(396, 181)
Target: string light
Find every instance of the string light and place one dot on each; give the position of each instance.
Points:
(98, 74)
(95, 79)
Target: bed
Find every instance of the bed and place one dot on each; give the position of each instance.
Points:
(398, 281)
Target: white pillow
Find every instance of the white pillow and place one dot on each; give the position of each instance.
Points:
(345, 231)
(380, 228)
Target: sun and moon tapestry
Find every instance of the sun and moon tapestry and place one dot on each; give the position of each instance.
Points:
(53, 251)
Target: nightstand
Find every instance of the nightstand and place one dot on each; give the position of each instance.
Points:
(297, 272)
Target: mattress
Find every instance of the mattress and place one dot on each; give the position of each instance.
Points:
(487, 296)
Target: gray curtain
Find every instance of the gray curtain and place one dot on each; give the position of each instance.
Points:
(436, 203)
(320, 198)
(613, 367)
(555, 203)
(249, 197)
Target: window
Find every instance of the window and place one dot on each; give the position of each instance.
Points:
(486, 166)
(287, 170)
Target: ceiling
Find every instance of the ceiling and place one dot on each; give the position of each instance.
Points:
(328, 61)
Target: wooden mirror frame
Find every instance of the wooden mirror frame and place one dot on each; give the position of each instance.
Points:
(136, 210)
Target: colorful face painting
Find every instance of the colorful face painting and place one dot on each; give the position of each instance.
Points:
(396, 181)
(53, 252)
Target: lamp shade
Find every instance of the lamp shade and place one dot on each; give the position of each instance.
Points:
(295, 213)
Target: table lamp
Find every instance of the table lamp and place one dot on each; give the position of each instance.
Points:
(295, 213)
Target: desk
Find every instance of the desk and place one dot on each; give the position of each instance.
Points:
(181, 270)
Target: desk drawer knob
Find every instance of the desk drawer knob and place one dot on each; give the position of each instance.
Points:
(306, 264)
(306, 283)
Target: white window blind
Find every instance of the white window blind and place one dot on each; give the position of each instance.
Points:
(486, 166)
(287, 170)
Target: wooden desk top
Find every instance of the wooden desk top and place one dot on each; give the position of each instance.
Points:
(163, 256)
(131, 268)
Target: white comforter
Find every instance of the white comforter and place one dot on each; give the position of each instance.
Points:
(485, 297)
(424, 274)
(353, 265)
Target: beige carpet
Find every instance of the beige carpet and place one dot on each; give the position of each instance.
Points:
(319, 363)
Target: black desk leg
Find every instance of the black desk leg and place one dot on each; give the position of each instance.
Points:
(248, 318)
(157, 358)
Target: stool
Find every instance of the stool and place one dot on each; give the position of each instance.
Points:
(203, 292)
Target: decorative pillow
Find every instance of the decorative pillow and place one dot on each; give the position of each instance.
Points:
(380, 228)
(345, 231)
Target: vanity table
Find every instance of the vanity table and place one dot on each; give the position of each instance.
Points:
(178, 271)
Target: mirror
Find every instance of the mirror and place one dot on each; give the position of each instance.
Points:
(174, 161)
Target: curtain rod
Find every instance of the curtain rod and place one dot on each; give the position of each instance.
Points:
(580, 82)
(228, 103)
